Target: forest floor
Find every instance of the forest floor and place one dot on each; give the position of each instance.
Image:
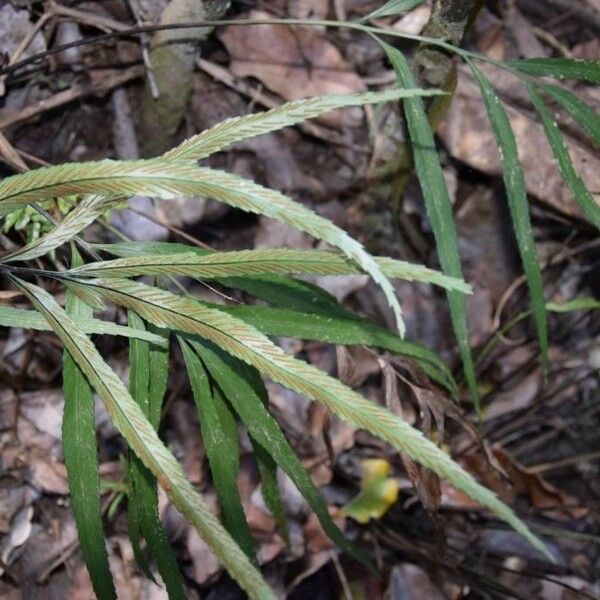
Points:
(541, 433)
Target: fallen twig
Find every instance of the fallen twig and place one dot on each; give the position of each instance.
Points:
(90, 88)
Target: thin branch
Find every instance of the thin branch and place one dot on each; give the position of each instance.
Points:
(74, 93)
(137, 30)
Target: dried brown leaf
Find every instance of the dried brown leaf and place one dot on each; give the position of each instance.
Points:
(519, 480)
(293, 62)
(543, 494)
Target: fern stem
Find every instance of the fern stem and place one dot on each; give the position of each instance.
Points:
(6, 269)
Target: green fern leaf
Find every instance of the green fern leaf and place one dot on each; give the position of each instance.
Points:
(246, 343)
(438, 205)
(81, 461)
(560, 68)
(169, 180)
(585, 116)
(258, 262)
(514, 182)
(140, 435)
(143, 497)
(220, 437)
(588, 205)
(236, 129)
(31, 319)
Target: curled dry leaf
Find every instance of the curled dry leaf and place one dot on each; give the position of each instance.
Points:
(519, 480)
(425, 482)
(543, 494)
(355, 365)
(293, 62)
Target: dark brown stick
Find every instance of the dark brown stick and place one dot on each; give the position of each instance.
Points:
(74, 93)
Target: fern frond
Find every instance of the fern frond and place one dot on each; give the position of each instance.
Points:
(169, 180)
(129, 419)
(258, 262)
(233, 130)
(246, 343)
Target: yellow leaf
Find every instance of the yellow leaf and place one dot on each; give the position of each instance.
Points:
(378, 492)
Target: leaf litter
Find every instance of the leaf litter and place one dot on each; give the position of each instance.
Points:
(301, 62)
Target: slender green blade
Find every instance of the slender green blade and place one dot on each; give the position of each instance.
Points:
(158, 362)
(236, 129)
(514, 183)
(588, 205)
(581, 303)
(234, 377)
(345, 329)
(246, 343)
(140, 435)
(392, 7)
(159, 376)
(307, 312)
(81, 460)
(289, 293)
(258, 262)
(438, 205)
(560, 68)
(585, 116)
(31, 319)
(138, 491)
(144, 489)
(139, 364)
(220, 437)
(143, 499)
(26, 319)
(134, 516)
(267, 467)
(279, 290)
